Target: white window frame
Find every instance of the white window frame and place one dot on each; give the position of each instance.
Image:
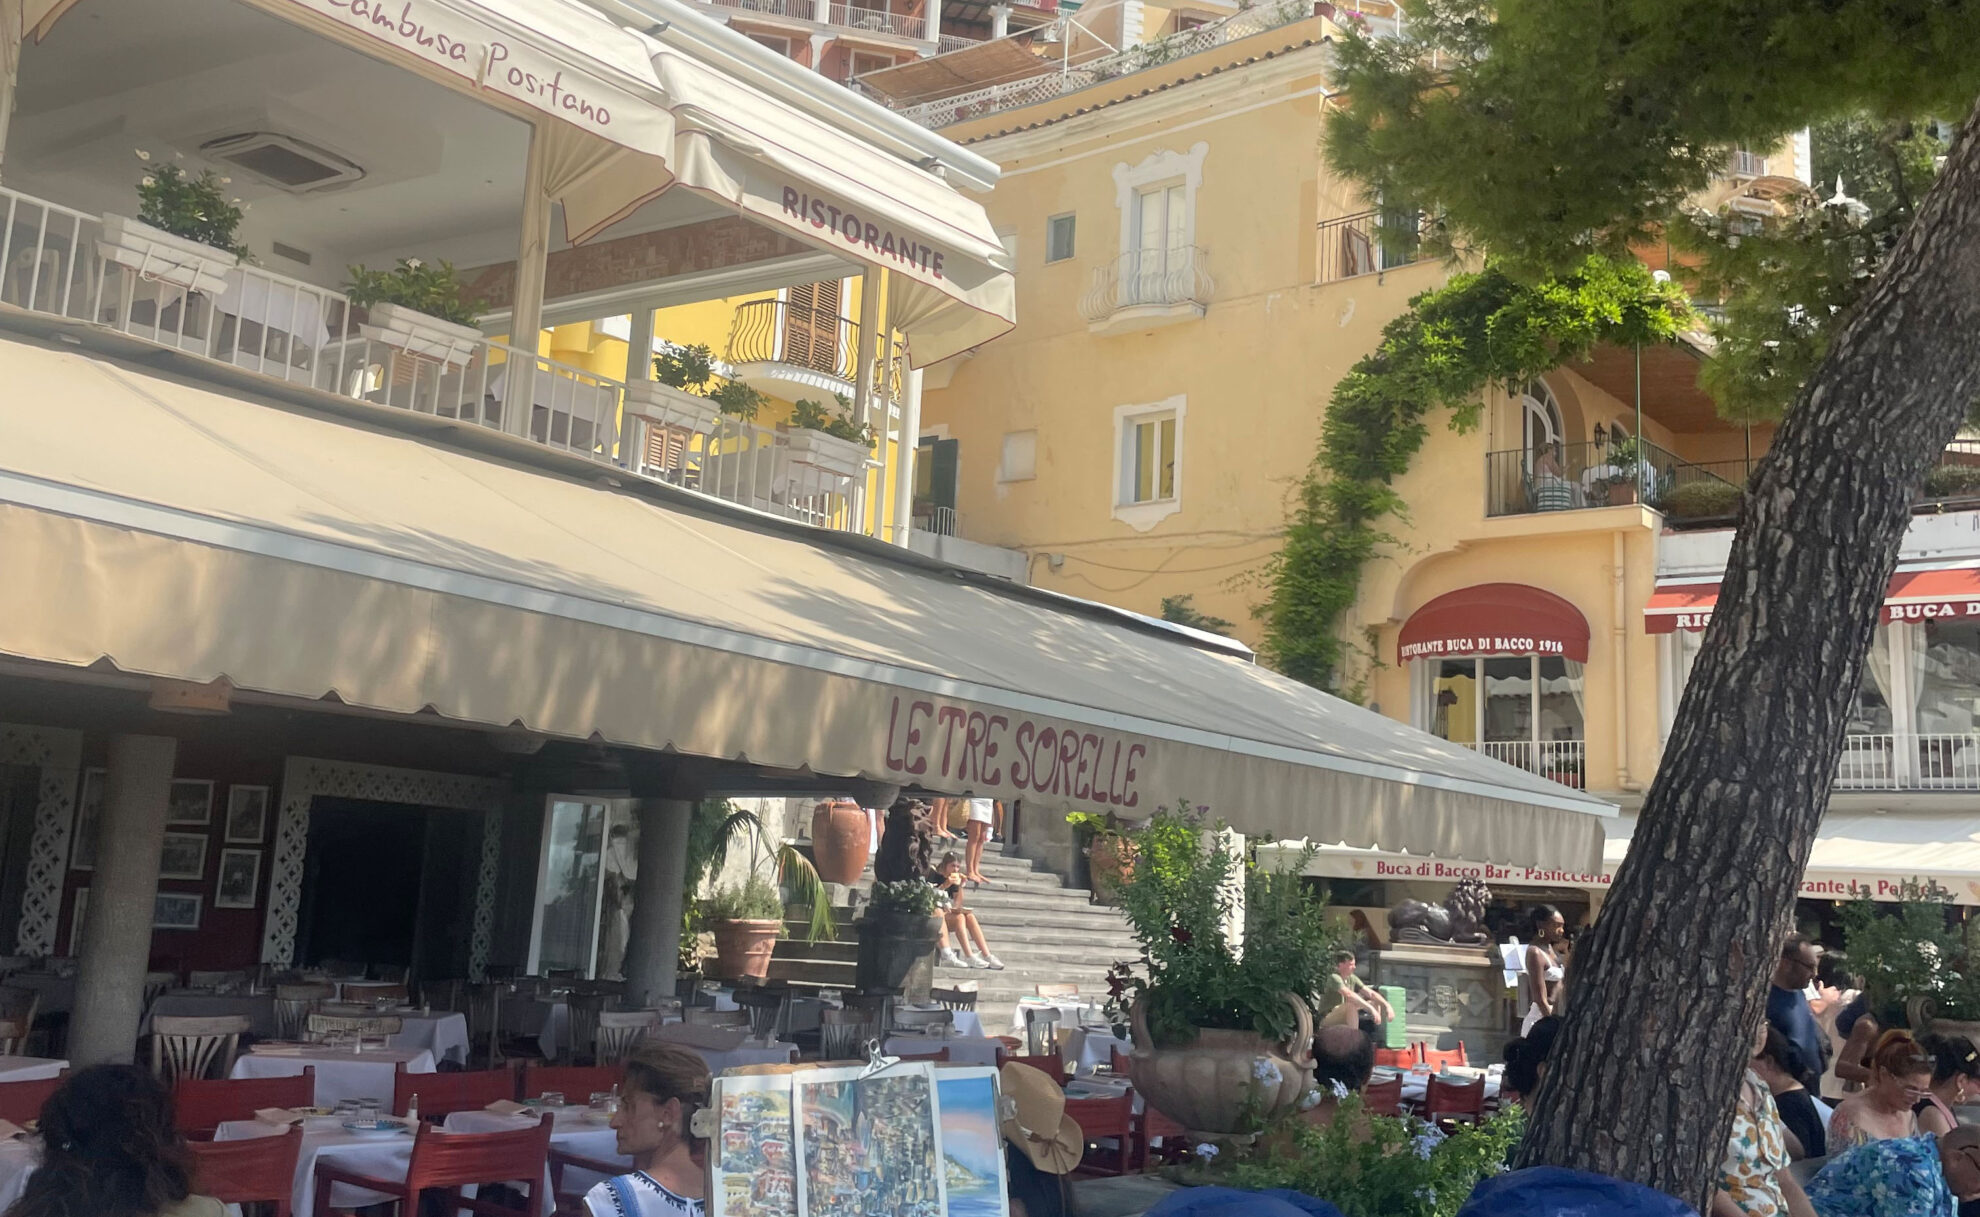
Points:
(550, 802)
(1423, 695)
(1158, 168)
(1143, 516)
(1072, 219)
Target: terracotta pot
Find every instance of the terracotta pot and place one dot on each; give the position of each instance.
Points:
(743, 948)
(1111, 860)
(840, 837)
(1207, 1084)
(1622, 494)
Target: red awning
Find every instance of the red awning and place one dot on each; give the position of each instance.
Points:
(1914, 595)
(1495, 619)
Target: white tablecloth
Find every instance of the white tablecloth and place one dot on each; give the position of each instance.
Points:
(30, 1069)
(1068, 1009)
(18, 1159)
(443, 1034)
(1416, 1084)
(575, 1135)
(340, 1075)
(963, 1049)
(294, 311)
(1085, 1049)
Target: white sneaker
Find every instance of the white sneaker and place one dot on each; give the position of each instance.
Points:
(950, 959)
(992, 962)
(976, 961)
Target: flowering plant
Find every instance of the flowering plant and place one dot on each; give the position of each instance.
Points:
(692, 369)
(192, 207)
(432, 288)
(1378, 1166)
(1179, 900)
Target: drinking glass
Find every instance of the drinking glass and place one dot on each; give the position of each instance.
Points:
(553, 1098)
(605, 1102)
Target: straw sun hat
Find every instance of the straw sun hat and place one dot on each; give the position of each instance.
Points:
(1034, 1119)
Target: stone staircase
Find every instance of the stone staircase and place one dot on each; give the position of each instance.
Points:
(1045, 933)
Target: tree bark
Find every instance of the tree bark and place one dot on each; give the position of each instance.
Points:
(1664, 993)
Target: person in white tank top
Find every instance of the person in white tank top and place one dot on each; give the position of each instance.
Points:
(1540, 982)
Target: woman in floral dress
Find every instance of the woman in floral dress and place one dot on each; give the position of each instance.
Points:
(1754, 1179)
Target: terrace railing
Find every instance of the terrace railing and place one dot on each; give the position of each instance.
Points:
(1369, 242)
(1145, 277)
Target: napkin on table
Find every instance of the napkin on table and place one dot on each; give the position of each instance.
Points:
(10, 1129)
(506, 1107)
(280, 1117)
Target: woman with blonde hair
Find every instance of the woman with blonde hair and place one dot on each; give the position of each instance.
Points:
(1900, 1075)
(665, 1085)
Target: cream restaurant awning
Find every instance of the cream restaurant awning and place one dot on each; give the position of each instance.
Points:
(174, 531)
(1871, 852)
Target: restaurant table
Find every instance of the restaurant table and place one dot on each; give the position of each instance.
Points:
(297, 312)
(324, 1140)
(963, 1049)
(1416, 1083)
(258, 1009)
(574, 1133)
(340, 1073)
(58, 993)
(30, 1068)
(359, 991)
(441, 1032)
(1086, 1049)
(548, 1018)
(1069, 1009)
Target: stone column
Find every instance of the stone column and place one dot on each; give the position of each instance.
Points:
(653, 947)
(116, 936)
(526, 310)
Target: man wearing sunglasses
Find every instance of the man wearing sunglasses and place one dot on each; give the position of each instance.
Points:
(1921, 1176)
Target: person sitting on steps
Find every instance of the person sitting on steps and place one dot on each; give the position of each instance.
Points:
(960, 922)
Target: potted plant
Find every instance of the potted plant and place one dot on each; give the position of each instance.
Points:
(898, 931)
(713, 828)
(841, 841)
(1108, 852)
(1915, 970)
(184, 231)
(417, 307)
(828, 439)
(1222, 1037)
(747, 920)
(685, 394)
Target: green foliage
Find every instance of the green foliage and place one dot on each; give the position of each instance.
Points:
(1476, 331)
(1181, 611)
(1953, 482)
(1377, 1166)
(1178, 900)
(1910, 953)
(192, 207)
(813, 416)
(756, 899)
(911, 897)
(433, 288)
(1703, 500)
(692, 369)
(1090, 824)
(717, 825)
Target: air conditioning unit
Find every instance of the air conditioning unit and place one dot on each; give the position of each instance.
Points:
(292, 164)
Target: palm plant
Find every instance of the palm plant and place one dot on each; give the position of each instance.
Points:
(718, 825)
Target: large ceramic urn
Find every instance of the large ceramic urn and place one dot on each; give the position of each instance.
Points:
(841, 837)
(1224, 1082)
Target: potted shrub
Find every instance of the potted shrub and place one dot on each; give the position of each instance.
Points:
(828, 439)
(747, 921)
(841, 841)
(898, 931)
(1222, 1038)
(713, 828)
(1703, 500)
(417, 307)
(685, 394)
(1953, 482)
(1108, 852)
(184, 231)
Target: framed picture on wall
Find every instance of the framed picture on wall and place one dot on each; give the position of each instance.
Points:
(240, 879)
(247, 814)
(89, 809)
(184, 856)
(191, 802)
(175, 911)
(76, 915)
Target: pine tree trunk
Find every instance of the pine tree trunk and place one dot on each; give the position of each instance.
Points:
(1664, 993)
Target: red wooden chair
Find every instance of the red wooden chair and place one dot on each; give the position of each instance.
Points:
(1383, 1098)
(202, 1104)
(1397, 1058)
(1439, 1061)
(1101, 1119)
(443, 1094)
(448, 1162)
(21, 1101)
(1053, 1067)
(1156, 1126)
(577, 1083)
(1118, 1061)
(248, 1171)
(940, 1054)
(1450, 1101)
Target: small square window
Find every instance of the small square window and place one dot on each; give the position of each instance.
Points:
(1148, 459)
(1059, 238)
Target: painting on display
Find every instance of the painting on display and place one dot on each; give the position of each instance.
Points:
(868, 1144)
(183, 857)
(247, 814)
(175, 911)
(972, 1147)
(240, 879)
(754, 1173)
(191, 802)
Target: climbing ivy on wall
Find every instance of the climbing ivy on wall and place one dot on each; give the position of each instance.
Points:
(1478, 330)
